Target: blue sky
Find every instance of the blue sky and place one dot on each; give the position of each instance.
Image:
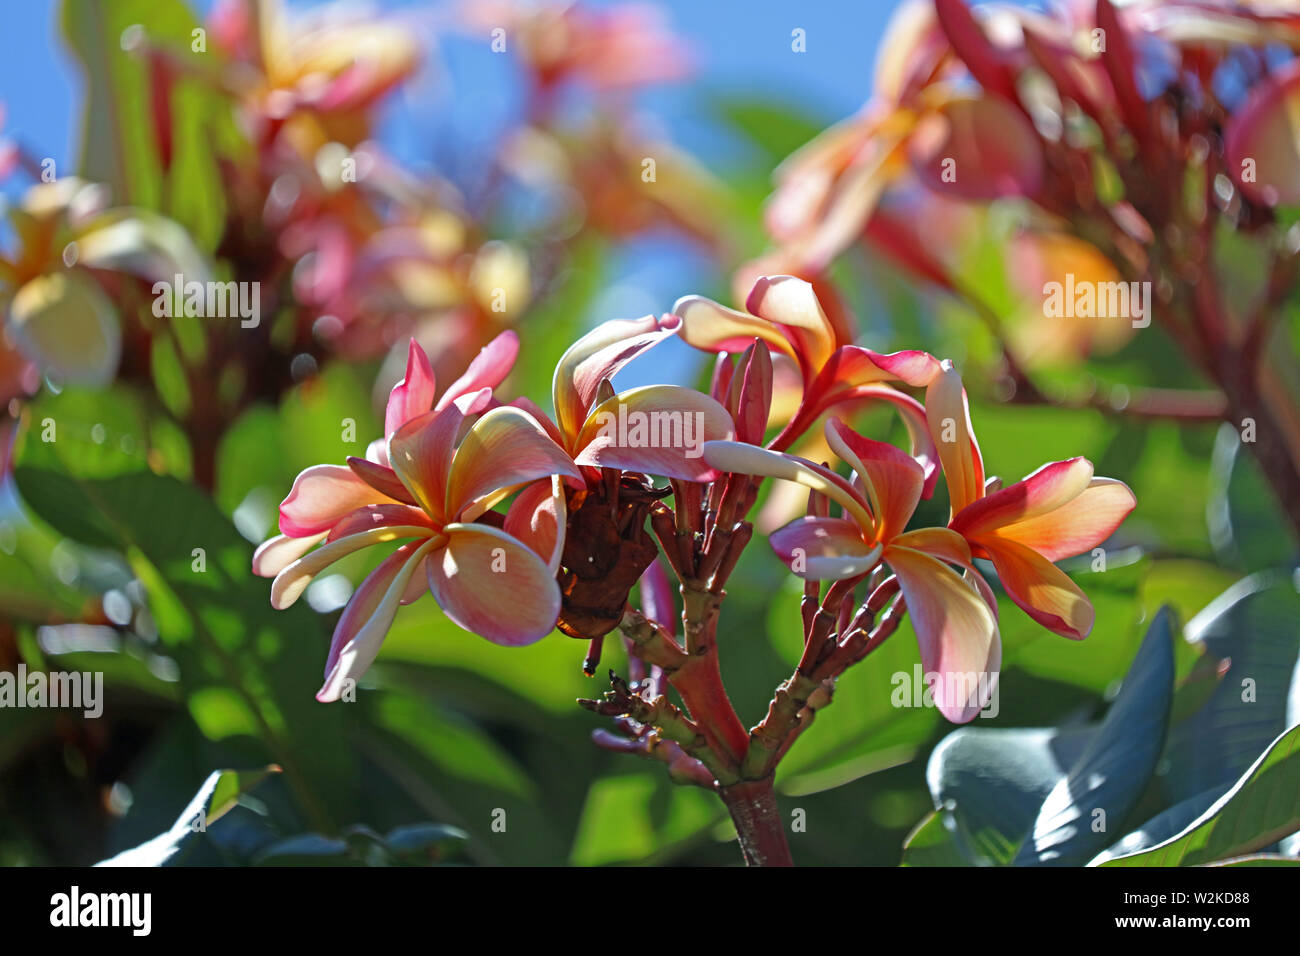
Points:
(741, 46)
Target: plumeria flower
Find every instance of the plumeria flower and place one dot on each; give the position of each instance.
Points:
(1262, 138)
(602, 433)
(58, 314)
(621, 48)
(310, 79)
(439, 469)
(1057, 512)
(917, 124)
(784, 312)
(954, 617)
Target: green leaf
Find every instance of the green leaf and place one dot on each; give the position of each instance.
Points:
(119, 144)
(627, 818)
(421, 839)
(1253, 624)
(1161, 827)
(217, 797)
(1261, 808)
(308, 849)
(990, 784)
(1026, 795)
(932, 844)
(1112, 772)
(775, 129)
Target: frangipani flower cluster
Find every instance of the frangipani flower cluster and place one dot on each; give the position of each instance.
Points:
(518, 524)
(1059, 511)
(443, 465)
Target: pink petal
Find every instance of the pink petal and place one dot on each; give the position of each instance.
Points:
(597, 356)
(413, 395)
(275, 554)
(494, 586)
(1040, 588)
(805, 544)
(947, 545)
(377, 605)
(712, 327)
(421, 453)
(533, 409)
(948, 414)
(537, 517)
(791, 302)
(1263, 138)
(380, 477)
(504, 448)
(293, 580)
(1048, 488)
(320, 496)
(742, 459)
(853, 365)
(657, 429)
(892, 478)
(978, 149)
(1077, 526)
(961, 650)
(488, 370)
(912, 412)
(369, 517)
(365, 601)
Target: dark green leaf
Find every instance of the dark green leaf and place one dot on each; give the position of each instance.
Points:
(1261, 808)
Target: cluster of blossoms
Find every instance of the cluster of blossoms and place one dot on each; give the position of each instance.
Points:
(1006, 149)
(352, 254)
(517, 522)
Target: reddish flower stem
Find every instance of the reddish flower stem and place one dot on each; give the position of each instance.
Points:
(752, 805)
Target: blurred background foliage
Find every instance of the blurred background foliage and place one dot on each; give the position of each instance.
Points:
(101, 529)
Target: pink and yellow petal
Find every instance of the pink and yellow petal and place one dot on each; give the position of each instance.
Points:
(1050, 487)
(503, 449)
(742, 459)
(493, 585)
(1077, 526)
(1040, 588)
(320, 496)
(791, 302)
(961, 650)
(948, 415)
(537, 517)
(655, 429)
(488, 369)
(892, 478)
(275, 554)
(413, 395)
(294, 578)
(804, 544)
(597, 356)
(712, 327)
(377, 603)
